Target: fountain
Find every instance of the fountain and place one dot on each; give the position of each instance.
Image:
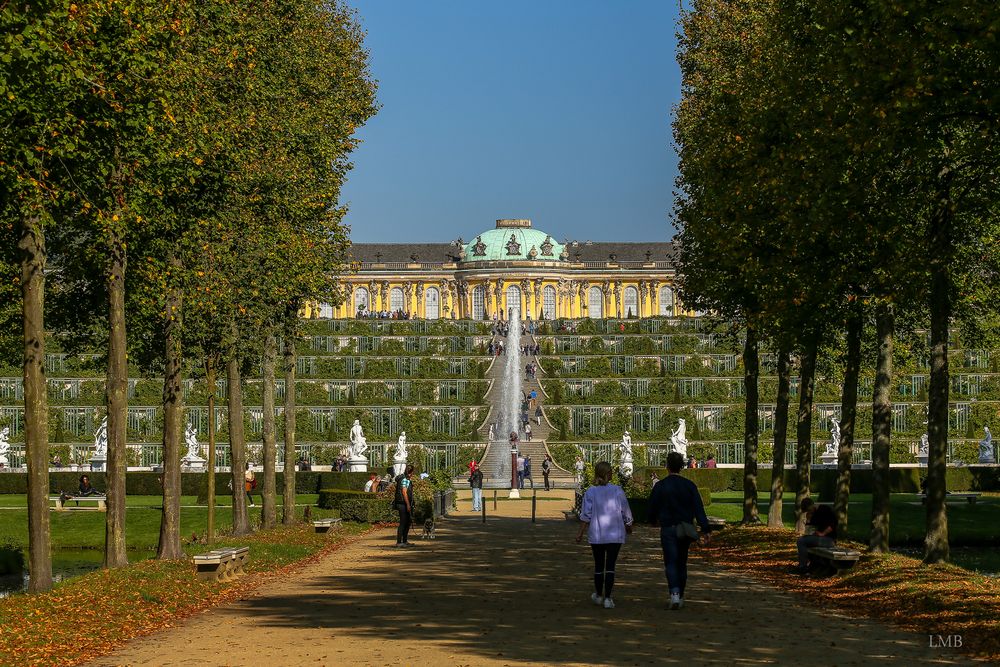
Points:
(511, 397)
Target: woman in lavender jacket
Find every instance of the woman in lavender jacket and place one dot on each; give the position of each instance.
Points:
(605, 517)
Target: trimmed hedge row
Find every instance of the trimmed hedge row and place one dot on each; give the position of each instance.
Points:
(192, 484)
(823, 481)
(332, 499)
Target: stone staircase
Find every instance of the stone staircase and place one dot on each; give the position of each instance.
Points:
(497, 458)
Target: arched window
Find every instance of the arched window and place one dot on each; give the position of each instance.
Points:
(325, 311)
(549, 302)
(666, 301)
(595, 303)
(630, 307)
(478, 302)
(360, 299)
(432, 303)
(395, 299)
(513, 302)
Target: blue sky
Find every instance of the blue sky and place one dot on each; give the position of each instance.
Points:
(554, 110)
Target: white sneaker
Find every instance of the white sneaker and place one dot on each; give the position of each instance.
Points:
(609, 603)
(675, 601)
(596, 599)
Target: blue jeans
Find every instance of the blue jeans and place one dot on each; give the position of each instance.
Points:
(477, 500)
(675, 558)
(806, 542)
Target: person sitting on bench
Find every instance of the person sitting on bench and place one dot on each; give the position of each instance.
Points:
(823, 522)
(85, 490)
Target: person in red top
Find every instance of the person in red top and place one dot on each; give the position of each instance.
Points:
(710, 463)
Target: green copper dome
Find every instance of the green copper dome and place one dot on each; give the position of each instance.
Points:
(514, 240)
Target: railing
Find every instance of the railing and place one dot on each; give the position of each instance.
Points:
(731, 453)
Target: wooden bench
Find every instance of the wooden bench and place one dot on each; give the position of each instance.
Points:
(324, 525)
(99, 503)
(716, 523)
(832, 560)
(222, 564)
(971, 497)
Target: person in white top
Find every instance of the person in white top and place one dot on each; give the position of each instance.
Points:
(606, 517)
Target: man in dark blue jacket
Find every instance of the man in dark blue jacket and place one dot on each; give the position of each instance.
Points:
(674, 501)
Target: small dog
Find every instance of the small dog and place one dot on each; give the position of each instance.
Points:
(428, 530)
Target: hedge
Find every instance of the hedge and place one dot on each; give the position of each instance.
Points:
(823, 481)
(332, 499)
(192, 484)
(370, 509)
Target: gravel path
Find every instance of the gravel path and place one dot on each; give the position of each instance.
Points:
(515, 593)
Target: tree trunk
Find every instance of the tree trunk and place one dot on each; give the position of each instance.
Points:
(268, 500)
(237, 447)
(210, 482)
(780, 440)
(885, 324)
(170, 519)
(36, 407)
(117, 399)
(936, 548)
(848, 413)
(751, 366)
(803, 426)
(288, 504)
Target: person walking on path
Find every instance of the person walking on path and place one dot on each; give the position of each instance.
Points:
(675, 505)
(527, 470)
(476, 482)
(546, 469)
(404, 505)
(579, 466)
(249, 482)
(606, 518)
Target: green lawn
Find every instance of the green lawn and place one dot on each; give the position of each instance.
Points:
(85, 529)
(973, 530)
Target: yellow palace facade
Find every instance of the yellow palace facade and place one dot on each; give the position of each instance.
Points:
(510, 268)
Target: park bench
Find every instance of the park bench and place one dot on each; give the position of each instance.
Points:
(324, 525)
(970, 497)
(716, 523)
(222, 564)
(99, 503)
(832, 560)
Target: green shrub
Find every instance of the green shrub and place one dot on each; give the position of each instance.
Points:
(11, 559)
(370, 509)
(333, 499)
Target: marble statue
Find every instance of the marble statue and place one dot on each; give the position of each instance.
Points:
(625, 449)
(679, 438)
(101, 440)
(401, 447)
(492, 433)
(985, 447)
(359, 444)
(4, 446)
(925, 445)
(191, 440)
(833, 446)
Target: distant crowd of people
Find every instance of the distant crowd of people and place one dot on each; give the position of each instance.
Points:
(365, 314)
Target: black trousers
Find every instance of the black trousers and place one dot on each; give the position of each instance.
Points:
(546, 476)
(605, 556)
(405, 521)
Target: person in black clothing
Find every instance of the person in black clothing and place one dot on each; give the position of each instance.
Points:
(403, 503)
(86, 489)
(673, 501)
(823, 521)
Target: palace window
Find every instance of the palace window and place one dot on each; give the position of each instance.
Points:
(360, 299)
(432, 300)
(666, 301)
(595, 305)
(478, 302)
(513, 301)
(631, 299)
(396, 299)
(549, 302)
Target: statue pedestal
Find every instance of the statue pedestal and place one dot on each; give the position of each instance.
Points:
(828, 459)
(193, 463)
(98, 463)
(922, 460)
(357, 464)
(398, 466)
(514, 493)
